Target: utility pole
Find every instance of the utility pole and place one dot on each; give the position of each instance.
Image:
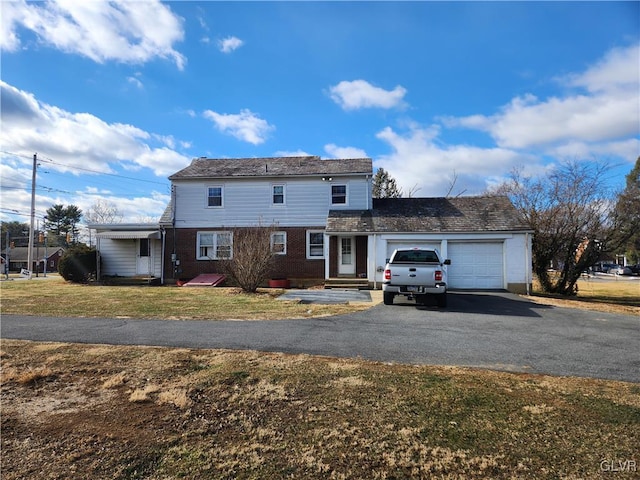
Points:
(33, 214)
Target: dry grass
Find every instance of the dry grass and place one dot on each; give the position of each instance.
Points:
(180, 413)
(60, 298)
(613, 295)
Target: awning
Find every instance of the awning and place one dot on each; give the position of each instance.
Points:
(129, 234)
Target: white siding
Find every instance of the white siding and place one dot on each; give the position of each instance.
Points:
(248, 201)
(119, 257)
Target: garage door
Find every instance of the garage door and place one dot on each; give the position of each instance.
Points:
(392, 245)
(475, 265)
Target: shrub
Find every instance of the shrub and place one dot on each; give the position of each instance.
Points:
(78, 264)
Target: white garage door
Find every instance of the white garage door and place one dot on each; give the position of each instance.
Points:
(475, 265)
(392, 245)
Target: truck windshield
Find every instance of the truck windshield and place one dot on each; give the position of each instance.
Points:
(416, 256)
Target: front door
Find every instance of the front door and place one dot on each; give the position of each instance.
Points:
(143, 257)
(347, 256)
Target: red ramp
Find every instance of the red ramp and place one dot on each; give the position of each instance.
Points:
(206, 280)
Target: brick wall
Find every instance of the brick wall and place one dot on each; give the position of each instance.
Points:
(293, 265)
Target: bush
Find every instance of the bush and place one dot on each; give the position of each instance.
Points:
(78, 264)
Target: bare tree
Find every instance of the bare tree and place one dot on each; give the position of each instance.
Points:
(251, 257)
(103, 211)
(572, 219)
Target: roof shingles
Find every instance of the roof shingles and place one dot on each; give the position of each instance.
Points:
(272, 167)
(460, 214)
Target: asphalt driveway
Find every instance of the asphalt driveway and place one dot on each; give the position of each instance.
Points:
(478, 329)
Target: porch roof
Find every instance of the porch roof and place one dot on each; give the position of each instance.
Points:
(129, 234)
(461, 214)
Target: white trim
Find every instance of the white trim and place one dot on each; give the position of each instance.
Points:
(207, 196)
(284, 194)
(346, 194)
(284, 234)
(214, 245)
(308, 245)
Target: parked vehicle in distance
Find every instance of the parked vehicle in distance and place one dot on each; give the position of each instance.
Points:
(620, 270)
(415, 273)
(635, 269)
(605, 267)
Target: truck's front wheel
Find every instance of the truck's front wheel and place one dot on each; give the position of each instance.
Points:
(388, 298)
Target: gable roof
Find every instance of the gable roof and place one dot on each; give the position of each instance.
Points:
(21, 254)
(272, 167)
(460, 214)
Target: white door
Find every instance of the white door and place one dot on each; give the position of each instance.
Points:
(144, 260)
(476, 265)
(347, 256)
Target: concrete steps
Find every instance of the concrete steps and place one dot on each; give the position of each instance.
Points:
(352, 283)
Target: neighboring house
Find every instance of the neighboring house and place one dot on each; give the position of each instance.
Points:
(327, 225)
(44, 259)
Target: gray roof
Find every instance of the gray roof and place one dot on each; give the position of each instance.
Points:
(460, 214)
(21, 254)
(272, 167)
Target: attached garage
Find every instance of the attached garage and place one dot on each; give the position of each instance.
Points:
(476, 265)
(487, 240)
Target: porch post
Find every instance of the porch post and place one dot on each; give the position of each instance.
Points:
(327, 256)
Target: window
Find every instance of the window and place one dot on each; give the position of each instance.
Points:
(214, 245)
(214, 196)
(338, 194)
(278, 195)
(315, 244)
(144, 250)
(279, 243)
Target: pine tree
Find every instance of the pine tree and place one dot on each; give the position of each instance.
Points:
(385, 186)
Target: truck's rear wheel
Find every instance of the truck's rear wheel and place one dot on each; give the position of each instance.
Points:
(388, 298)
(442, 300)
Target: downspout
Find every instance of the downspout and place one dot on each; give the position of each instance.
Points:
(163, 232)
(526, 261)
(375, 262)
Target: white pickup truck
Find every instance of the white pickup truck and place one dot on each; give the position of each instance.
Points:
(415, 273)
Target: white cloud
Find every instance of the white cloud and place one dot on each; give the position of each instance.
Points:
(245, 126)
(135, 82)
(229, 44)
(102, 31)
(361, 94)
(420, 163)
(605, 111)
(335, 151)
(78, 139)
(292, 153)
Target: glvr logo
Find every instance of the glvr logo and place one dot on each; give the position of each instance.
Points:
(618, 466)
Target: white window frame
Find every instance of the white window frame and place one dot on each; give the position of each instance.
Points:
(221, 187)
(308, 245)
(214, 245)
(273, 194)
(284, 243)
(346, 193)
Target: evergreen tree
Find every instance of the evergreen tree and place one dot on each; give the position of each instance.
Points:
(385, 186)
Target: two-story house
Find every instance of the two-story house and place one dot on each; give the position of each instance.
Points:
(211, 198)
(326, 226)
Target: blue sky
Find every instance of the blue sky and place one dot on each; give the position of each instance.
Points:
(116, 96)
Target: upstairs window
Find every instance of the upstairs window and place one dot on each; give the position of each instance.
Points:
(214, 196)
(214, 245)
(338, 194)
(277, 195)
